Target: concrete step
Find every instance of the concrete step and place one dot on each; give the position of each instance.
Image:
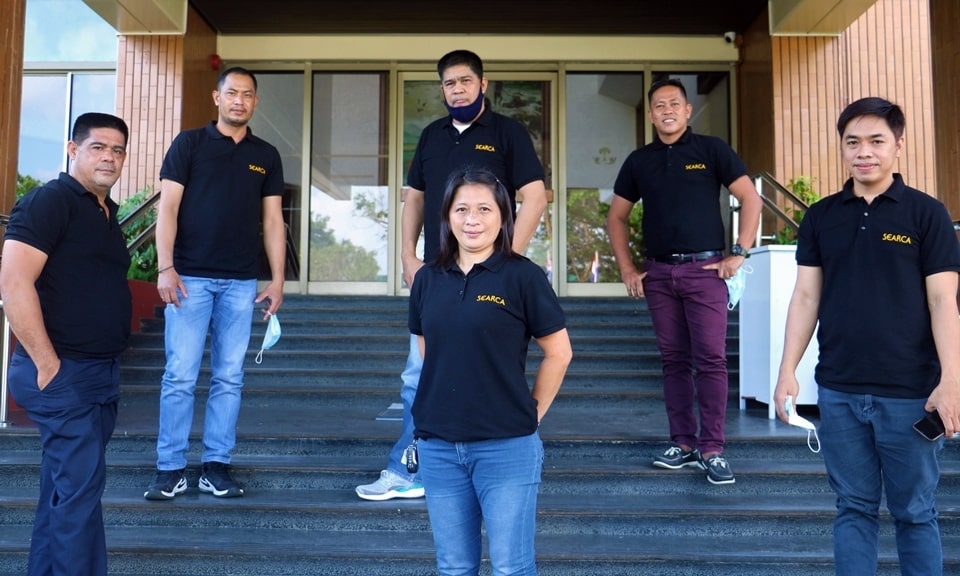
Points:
(398, 341)
(282, 355)
(695, 514)
(246, 551)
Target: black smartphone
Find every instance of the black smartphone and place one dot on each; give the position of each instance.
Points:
(930, 426)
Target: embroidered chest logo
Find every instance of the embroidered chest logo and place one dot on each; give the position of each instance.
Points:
(485, 147)
(255, 168)
(898, 238)
(698, 166)
(491, 298)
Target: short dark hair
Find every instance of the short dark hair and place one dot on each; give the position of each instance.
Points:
(235, 70)
(666, 82)
(91, 120)
(481, 176)
(873, 106)
(460, 57)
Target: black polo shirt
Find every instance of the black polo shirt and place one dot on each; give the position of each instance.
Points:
(679, 185)
(83, 290)
(874, 334)
(495, 142)
(225, 182)
(476, 330)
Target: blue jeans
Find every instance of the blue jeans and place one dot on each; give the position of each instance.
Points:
(408, 391)
(226, 308)
(493, 481)
(688, 307)
(75, 414)
(870, 446)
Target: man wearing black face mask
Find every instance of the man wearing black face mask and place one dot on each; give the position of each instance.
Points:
(472, 135)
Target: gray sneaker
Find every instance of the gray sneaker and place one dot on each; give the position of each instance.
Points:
(389, 486)
(166, 485)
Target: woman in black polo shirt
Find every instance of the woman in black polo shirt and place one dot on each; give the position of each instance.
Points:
(474, 310)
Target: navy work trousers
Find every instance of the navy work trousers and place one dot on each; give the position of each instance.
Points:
(76, 414)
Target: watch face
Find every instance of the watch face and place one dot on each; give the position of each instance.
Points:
(736, 250)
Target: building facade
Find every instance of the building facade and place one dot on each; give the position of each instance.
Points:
(345, 107)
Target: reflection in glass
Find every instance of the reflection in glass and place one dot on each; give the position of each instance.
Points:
(43, 126)
(605, 122)
(93, 93)
(348, 179)
(278, 119)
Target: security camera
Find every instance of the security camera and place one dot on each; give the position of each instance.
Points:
(730, 37)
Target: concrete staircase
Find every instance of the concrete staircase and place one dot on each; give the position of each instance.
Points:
(309, 432)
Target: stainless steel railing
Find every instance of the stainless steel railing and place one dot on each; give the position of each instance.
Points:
(4, 364)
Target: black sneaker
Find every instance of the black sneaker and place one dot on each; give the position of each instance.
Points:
(676, 458)
(718, 471)
(215, 479)
(166, 485)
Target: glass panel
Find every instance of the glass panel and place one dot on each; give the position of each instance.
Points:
(605, 122)
(348, 178)
(279, 120)
(43, 126)
(522, 100)
(93, 93)
(709, 93)
(67, 31)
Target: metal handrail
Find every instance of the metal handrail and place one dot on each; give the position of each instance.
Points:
(5, 350)
(4, 365)
(147, 233)
(764, 181)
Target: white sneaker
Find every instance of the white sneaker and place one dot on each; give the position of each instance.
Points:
(390, 486)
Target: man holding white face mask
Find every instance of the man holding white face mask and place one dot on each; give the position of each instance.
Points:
(219, 184)
(877, 268)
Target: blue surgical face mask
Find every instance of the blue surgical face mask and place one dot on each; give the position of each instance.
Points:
(735, 286)
(270, 337)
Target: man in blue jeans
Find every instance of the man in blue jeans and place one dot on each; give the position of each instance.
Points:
(65, 292)
(218, 183)
(877, 267)
(473, 135)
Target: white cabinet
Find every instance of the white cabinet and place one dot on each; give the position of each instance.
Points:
(763, 317)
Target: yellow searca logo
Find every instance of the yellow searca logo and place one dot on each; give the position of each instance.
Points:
(491, 298)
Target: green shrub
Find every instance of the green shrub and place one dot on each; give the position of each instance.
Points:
(802, 188)
(143, 261)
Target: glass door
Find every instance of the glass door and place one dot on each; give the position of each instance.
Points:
(605, 120)
(526, 97)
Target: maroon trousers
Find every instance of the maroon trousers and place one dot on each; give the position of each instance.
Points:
(688, 306)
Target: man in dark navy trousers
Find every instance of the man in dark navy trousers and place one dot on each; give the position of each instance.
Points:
(64, 288)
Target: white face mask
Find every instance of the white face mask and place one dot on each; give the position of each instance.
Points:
(736, 284)
(270, 337)
(795, 419)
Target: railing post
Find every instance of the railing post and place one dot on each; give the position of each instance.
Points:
(4, 364)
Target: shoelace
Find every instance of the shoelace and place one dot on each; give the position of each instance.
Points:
(717, 461)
